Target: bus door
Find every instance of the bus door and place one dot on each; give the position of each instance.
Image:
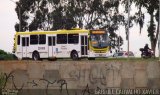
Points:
(19, 47)
(84, 45)
(51, 46)
(25, 44)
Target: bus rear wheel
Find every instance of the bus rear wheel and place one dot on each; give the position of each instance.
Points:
(35, 56)
(74, 55)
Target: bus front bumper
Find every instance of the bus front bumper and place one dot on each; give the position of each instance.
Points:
(94, 55)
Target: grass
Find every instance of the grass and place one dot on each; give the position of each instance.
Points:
(100, 59)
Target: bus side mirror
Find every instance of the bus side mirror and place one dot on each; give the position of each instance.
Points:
(110, 51)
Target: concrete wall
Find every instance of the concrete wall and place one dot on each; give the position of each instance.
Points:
(80, 74)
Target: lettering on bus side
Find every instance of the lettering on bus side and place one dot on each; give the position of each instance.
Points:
(63, 47)
(41, 48)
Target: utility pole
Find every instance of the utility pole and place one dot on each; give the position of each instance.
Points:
(19, 13)
(119, 40)
(128, 25)
(159, 32)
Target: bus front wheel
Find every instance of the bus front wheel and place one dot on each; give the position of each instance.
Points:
(74, 55)
(35, 56)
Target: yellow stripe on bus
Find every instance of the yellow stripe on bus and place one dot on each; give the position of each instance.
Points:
(53, 32)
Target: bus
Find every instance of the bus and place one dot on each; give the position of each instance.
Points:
(74, 43)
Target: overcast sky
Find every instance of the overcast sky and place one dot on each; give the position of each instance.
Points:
(8, 19)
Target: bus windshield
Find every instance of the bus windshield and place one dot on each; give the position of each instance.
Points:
(99, 40)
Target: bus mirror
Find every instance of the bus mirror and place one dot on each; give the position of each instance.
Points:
(110, 51)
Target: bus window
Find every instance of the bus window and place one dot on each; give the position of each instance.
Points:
(42, 39)
(61, 38)
(54, 41)
(18, 40)
(82, 40)
(23, 41)
(51, 41)
(33, 39)
(73, 38)
(86, 40)
(27, 41)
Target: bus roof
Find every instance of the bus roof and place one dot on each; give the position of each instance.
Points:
(53, 32)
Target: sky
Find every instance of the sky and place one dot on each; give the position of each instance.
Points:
(8, 19)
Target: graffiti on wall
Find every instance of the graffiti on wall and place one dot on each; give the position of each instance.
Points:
(66, 80)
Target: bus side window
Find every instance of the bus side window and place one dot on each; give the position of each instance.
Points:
(73, 38)
(54, 41)
(23, 41)
(33, 39)
(27, 38)
(42, 39)
(49, 41)
(61, 38)
(18, 40)
(82, 40)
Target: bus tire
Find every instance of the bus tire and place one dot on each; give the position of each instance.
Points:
(74, 55)
(35, 56)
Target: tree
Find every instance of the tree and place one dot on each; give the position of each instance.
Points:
(67, 14)
(24, 6)
(6, 56)
(152, 9)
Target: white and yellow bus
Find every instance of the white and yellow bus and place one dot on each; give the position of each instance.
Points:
(75, 44)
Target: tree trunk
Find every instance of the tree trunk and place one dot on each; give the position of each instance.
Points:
(151, 32)
(156, 39)
(153, 46)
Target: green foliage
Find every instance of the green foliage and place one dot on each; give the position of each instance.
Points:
(6, 56)
(152, 8)
(2, 80)
(67, 14)
(2, 52)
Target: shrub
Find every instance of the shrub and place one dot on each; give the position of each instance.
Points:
(6, 56)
